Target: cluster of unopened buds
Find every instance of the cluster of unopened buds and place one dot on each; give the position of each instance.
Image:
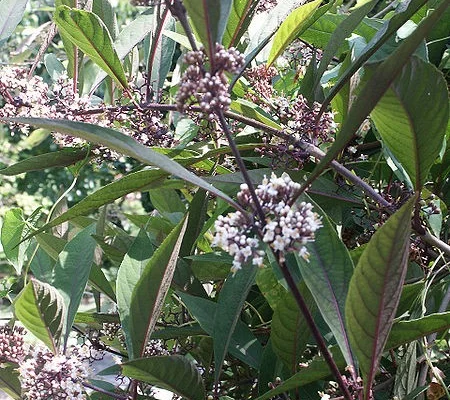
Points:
(208, 88)
(288, 226)
(12, 344)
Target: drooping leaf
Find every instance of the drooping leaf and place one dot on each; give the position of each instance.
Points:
(40, 308)
(151, 289)
(71, 273)
(238, 21)
(228, 310)
(297, 22)
(98, 280)
(174, 373)
(414, 133)
(375, 290)
(88, 32)
(61, 158)
(243, 343)
(327, 275)
(209, 19)
(128, 275)
(11, 13)
(125, 145)
(9, 381)
(375, 88)
(248, 109)
(290, 331)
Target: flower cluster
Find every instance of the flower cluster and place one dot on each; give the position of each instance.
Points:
(260, 80)
(209, 89)
(266, 5)
(49, 376)
(287, 227)
(32, 97)
(11, 344)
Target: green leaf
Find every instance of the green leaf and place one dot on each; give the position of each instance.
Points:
(208, 17)
(414, 133)
(270, 287)
(375, 88)
(99, 281)
(60, 158)
(128, 38)
(297, 22)
(72, 271)
(174, 373)
(339, 35)
(96, 318)
(228, 310)
(167, 201)
(327, 274)
(250, 110)
(105, 11)
(40, 308)
(151, 289)
(240, 16)
(125, 145)
(243, 344)
(11, 13)
(88, 32)
(9, 381)
(290, 331)
(375, 290)
(406, 331)
(13, 229)
(128, 275)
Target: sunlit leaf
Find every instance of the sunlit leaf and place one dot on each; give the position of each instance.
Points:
(11, 13)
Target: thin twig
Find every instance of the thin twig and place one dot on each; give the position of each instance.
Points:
(100, 390)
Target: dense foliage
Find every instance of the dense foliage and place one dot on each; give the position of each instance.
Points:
(237, 199)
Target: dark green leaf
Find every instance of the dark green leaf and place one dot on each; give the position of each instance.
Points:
(243, 344)
(290, 332)
(99, 281)
(375, 290)
(128, 275)
(297, 22)
(174, 373)
(13, 229)
(407, 331)
(414, 133)
(87, 31)
(151, 289)
(9, 381)
(72, 271)
(40, 308)
(105, 11)
(96, 318)
(228, 309)
(327, 275)
(209, 18)
(11, 13)
(60, 158)
(375, 88)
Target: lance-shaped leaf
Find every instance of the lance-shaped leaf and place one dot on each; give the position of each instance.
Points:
(174, 373)
(61, 158)
(327, 275)
(128, 275)
(11, 235)
(290, 331)
(228, 310)
(88, 32)
(375, 290)
(11, 13)
(72, 271)
(238, 21)
(125, 145)
(151, 289)
(297, 22)
(414, 133)
(209, 19)
(375, 88)
(40, 308)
